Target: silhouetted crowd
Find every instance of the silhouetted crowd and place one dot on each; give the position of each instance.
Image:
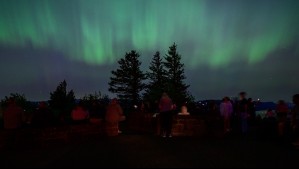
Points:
(233, 116)
(239, 117)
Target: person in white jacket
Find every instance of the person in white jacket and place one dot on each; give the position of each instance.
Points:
(226, 110)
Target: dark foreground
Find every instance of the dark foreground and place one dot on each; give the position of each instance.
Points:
(132, 150)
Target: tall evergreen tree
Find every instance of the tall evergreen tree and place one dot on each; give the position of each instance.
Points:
(127, 80)
(175, 85)
(62, 101)
(157, 78)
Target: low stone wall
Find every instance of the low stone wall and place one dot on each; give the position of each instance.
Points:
(182, 125)
(188, 126)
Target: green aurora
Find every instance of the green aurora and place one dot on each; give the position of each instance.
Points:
(99, 31)
(225, 44)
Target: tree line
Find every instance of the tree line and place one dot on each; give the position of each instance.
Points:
(128, 82)
(165, 74)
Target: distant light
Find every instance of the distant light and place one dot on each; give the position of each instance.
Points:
(135, 106)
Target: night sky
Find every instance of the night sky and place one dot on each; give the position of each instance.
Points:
(226, 45)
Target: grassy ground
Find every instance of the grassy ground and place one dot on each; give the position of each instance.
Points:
(139, 150)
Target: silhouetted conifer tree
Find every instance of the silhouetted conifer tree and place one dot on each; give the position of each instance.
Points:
(156, 77)
(127, 80)
(175, 86)
(61, 101)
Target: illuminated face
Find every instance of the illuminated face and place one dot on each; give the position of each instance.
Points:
(184, 109)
